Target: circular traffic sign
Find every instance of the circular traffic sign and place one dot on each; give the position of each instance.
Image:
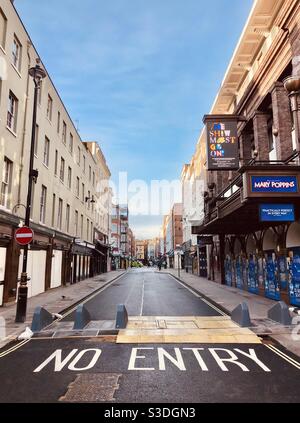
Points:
(24, 236)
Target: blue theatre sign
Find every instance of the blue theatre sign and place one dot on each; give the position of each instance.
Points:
(277, 212)
(270, 185)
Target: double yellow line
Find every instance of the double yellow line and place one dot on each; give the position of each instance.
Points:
(284, 356)
(14, 348)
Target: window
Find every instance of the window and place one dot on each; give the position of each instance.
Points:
(87, 229)
(93, 179)
(62, 170)
(83, 193)
(56, 163)
(68, 218)
(59, 214)
(12, 112)
(69, 177)
(58, 122)
(83, 164)
(81, 226)
(64, 133)
(16, 53)
(53, 211)
(89, 202)
(76, 223)
(46, 152)
(92, 234)
(3, 25)
(71, 142)
(114, 228)
(90, 173)
(49, 107)
(43, 204)
(77, 187)
(36, 143)
(6, 183)
(270, 135)
(78, 156)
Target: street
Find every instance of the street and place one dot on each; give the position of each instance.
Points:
(101, 369)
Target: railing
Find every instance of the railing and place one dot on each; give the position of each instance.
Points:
(237, 182)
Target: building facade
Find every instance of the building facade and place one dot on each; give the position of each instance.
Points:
(67, 209)
(174, 236)
(121, 240)
(252, 215)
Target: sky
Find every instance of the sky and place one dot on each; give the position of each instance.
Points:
(137, 76)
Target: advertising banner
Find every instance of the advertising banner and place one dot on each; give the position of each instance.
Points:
(272, 289)
(228, 271)
(277, 212)
(239, 272)
(222, 142)
(283, 272)
(294, 277)
(253, 286)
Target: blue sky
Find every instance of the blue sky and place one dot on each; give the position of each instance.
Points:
(138, 75)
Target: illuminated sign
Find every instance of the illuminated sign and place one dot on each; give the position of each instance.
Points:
(274, 184)
(277, 212)
(222, 143)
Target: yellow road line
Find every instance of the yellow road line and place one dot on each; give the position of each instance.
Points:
(14, 348)
(284, 356)
(89, 298)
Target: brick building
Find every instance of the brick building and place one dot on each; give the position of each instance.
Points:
(251, 247)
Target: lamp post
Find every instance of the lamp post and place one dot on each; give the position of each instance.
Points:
(38, 74)
(292, 85)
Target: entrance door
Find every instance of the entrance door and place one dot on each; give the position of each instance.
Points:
(203, 262)
(56, 269)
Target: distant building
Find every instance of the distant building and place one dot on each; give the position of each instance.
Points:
(173, 231)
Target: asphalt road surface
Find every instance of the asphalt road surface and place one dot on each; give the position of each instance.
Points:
(89, 369)
(146, 293)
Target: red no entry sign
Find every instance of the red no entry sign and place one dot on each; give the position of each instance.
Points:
(24, 236)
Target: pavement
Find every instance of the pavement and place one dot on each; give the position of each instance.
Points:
(55, 301)
(228, 298)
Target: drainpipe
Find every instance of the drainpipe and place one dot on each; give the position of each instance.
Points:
(24, 125)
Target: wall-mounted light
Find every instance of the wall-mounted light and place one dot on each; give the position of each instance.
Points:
(91, 199)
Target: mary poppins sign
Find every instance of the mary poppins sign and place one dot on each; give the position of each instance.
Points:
(222, 142)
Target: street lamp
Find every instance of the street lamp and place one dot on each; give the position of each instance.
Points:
(292, 85)
(38, 74)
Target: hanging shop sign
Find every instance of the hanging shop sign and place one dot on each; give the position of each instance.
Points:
(222, 142)
(274, 184)
(272, 288)
(277, 212)
(294, 277)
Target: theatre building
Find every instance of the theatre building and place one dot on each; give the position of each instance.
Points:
(252, 197)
